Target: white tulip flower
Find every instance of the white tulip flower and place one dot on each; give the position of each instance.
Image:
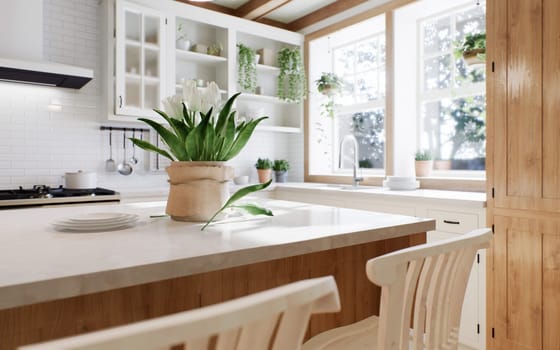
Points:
(192, 96)
(173, 107)
(212, 97)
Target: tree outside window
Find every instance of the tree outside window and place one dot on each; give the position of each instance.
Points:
(452, 97)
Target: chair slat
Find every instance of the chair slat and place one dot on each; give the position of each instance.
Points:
(227, 340)
(412, 275)
(291, 330)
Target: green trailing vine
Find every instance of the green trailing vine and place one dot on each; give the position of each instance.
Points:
(291, 80)
(246, 68)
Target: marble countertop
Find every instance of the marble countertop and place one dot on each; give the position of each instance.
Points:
(475, 199)
(38, 263)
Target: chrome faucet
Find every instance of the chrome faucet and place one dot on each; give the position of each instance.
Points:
(355, 179)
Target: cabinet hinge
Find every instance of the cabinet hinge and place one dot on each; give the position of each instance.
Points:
(166, 21)
(478, 328)
(114, 32)
(493, 229)
(492, 332)
(478, 258)
(493, 192)
(493, 67)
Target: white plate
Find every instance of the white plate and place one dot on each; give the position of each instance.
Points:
(100, 217)
(92, 229)
(106, 223)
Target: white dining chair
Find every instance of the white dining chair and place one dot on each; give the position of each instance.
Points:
(423, 286)
(273, 319)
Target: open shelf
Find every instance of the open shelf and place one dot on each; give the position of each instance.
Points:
(284, 129)
(198, 57)
(265, 68)
(262, 98)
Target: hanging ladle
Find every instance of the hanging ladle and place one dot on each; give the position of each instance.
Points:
(133, 159)
(124, 168)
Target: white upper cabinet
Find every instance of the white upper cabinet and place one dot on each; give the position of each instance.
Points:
(155, 46)
(139, 59)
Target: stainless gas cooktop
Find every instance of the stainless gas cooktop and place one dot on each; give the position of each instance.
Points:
(44, 195)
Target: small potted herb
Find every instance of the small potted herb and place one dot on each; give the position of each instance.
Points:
(423, 163)
(182, 41)
(472, 48)
(281, 167)
(264, 166)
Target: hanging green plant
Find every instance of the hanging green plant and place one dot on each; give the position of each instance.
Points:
(329, 84)
(291, 80)
(246, 68)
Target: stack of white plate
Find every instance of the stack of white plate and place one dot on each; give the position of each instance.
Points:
(95, 222)
(401, 183)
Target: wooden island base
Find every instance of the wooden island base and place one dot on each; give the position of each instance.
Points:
(65, 317)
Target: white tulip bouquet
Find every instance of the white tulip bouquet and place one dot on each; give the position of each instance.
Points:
(200, 131)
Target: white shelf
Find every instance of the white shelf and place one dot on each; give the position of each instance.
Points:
(138, 78)
(180, 86)
(130, 42)
(265, 68)
(262, 98)
(151, 47)
(284, 129)
(198, 57)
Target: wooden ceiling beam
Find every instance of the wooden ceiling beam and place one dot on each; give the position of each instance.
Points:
(273, 23)
(257, 9)
(323, 13)
(210, 6)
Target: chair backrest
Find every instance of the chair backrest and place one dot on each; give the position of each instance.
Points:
(424, 286)
(273, 319)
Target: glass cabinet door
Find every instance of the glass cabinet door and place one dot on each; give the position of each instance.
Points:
(139, 68)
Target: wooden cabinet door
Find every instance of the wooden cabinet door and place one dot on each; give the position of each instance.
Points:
(526, 279)
(524, 102)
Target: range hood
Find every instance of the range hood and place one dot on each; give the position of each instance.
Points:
(21, 52)
(44, 73)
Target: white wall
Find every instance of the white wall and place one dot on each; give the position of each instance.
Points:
(38, 144)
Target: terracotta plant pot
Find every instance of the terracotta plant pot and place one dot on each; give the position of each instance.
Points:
(264, 175)
(423, 167)
(471, 57)
(197, 189)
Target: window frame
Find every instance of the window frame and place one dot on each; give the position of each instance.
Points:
(443, 183)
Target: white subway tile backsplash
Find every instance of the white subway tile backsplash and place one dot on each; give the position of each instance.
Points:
(38, 145)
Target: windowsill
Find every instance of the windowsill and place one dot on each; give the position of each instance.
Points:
(432, 182)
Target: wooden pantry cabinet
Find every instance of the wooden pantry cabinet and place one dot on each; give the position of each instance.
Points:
(523, 173)
(147, 59)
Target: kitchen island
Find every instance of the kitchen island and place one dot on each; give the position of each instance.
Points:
(54, 284)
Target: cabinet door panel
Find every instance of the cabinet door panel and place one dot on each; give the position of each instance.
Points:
(518, 132)
(551, 99)
(517, 283)
(551, 287)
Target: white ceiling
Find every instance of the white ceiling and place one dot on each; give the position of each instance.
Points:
(296, 9)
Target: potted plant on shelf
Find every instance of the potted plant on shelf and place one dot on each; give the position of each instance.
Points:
(423, 163)
(246, 68)
(215, 49)
(329, 84)
(182, 42)
(199, 140)
(291, 79)
(264, 166)
(472, 48)
(281, 167)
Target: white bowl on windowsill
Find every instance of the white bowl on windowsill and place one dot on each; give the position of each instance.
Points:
(401, 183)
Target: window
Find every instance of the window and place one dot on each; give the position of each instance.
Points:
(438, 103)
(452, 95)
(357, 56)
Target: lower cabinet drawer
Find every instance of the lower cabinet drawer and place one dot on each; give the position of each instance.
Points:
(454, 222)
